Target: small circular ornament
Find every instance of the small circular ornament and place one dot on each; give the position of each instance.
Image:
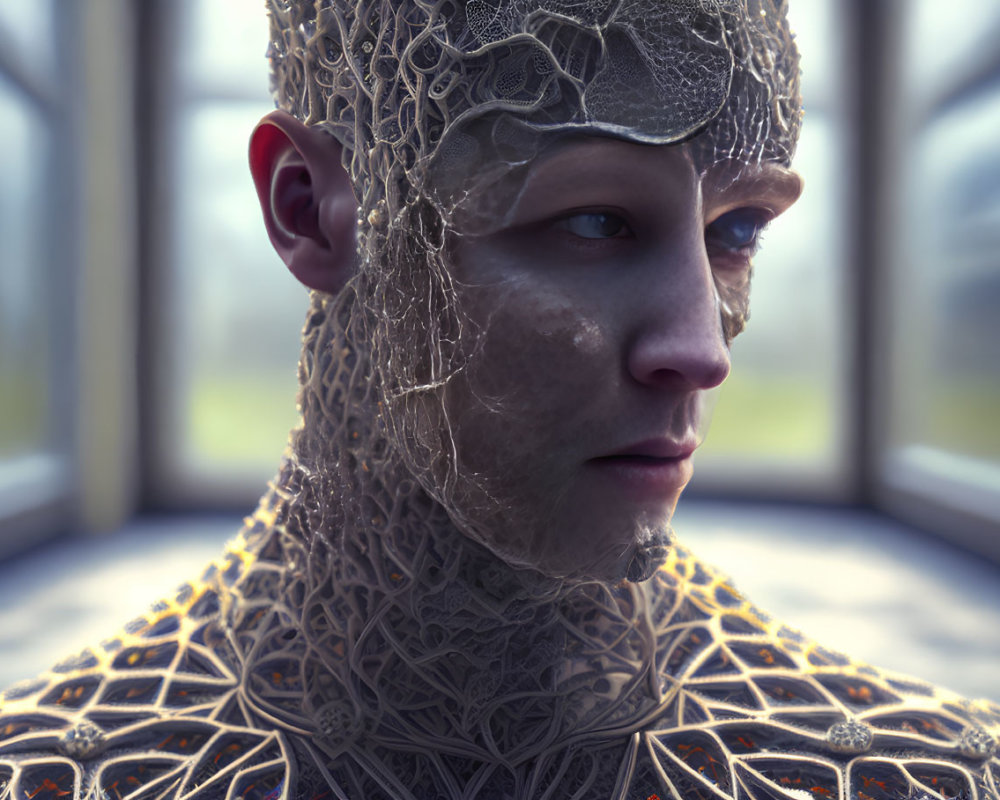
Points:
(84, 740)
(977, 743)
(850, 736)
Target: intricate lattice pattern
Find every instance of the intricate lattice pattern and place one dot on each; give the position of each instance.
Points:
(356, 642)
(241, 687)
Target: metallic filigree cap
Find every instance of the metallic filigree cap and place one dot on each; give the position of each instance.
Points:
(397, 82)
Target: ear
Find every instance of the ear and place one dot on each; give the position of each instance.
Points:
(310, 211)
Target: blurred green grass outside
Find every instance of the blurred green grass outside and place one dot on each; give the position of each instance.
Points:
(962, 417)
(242, 419)
(777, 415)
(23, 408)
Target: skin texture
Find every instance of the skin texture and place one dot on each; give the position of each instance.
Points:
(372, 632)
(595, 347)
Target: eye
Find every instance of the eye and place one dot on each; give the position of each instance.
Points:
(594, 225)
(738, 231)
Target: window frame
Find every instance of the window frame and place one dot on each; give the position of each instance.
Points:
(38, 489)
(964, 513)
(121, 424)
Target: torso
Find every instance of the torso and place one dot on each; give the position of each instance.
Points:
(213, 694)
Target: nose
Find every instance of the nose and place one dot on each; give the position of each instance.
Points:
(677, 339)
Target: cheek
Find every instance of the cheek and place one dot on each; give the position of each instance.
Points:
(542, 356)
(533, 386)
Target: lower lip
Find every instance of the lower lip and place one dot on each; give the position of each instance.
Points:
(646, 478)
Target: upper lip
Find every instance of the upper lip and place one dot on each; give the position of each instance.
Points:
(655, 448)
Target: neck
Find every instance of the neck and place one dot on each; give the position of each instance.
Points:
(395, 629)
(409, 632)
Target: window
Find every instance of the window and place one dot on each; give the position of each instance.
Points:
(869, 373)
(943, 358)
(35, 442)
(228, 345)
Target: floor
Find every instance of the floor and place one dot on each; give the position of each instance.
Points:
(855, 581)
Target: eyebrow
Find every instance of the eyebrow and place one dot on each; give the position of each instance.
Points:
(731, 184)
(769, 185)
(608, 165)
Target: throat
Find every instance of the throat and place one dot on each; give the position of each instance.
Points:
(367, 623)
(415, 633)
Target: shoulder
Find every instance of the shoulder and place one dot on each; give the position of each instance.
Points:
(784, 712)
(157, 707)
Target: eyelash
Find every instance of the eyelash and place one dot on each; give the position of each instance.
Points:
(568, 222)
(736, 232)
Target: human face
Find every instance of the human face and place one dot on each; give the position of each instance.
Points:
(599, 301)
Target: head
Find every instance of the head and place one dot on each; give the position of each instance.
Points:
(538, 218)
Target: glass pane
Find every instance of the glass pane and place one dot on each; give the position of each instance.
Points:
(945, 385)
(235, 336)
(236, 313)
(225, 43)
(230, 376)
(782, 407)
(24, 324)
(27, 27)
(947, 382)
(950, 362)
(817, 30)
(946, 42)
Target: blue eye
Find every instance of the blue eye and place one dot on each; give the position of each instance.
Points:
(737, 230)
(596, 225)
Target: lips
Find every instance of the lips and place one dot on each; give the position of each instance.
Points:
(653, 449)
(648, 471)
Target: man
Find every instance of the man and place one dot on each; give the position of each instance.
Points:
(527, 227)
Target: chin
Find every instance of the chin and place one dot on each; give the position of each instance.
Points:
(649, 556)
(635, 561)
(589, 544)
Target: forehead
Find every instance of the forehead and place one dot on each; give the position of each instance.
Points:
(576, 170)
(398, 81)
(553, 166)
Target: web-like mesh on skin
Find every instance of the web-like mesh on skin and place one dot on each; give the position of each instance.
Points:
(424, 94)
(246, 685)
(396, 81)
(402, 660)
(354, 644)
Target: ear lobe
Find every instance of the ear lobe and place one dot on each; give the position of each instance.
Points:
(307, 199)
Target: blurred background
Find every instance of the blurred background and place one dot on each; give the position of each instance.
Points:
(149, 335)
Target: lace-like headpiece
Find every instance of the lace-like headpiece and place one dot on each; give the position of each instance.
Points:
(399, 81)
